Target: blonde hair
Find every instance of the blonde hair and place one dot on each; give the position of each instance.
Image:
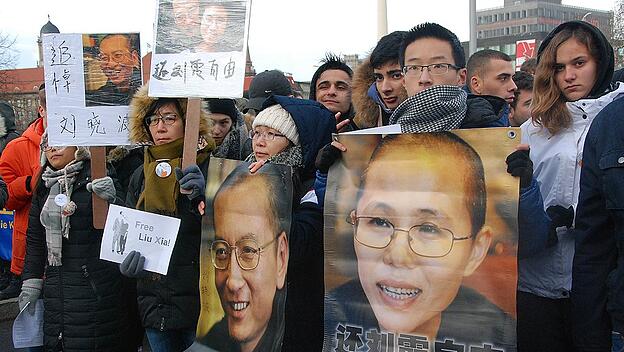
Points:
(549, 104)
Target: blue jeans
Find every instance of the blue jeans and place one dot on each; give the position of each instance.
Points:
(617, 342)
(170, 340)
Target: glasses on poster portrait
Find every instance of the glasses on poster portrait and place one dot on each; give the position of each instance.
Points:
(167, 119)
(117, 57)
(269, 136)
(434, 69)
(247, 251)
(426, 239)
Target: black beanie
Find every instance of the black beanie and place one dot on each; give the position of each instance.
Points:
(223, 106)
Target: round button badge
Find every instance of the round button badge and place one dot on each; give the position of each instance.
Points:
(163, 169)
(60, 200)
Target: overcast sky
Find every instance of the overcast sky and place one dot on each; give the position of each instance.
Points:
(291, 35)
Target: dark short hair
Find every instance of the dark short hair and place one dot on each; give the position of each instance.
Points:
(157, 104)
(277, 180)
(524, 81)
(473, 176)
(330, 62)
(131, 38)
(433, 30)
(529, 65)
(478, 61)
(387, 49)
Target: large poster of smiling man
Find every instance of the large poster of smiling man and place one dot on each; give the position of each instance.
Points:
(420, 243)
(244, 257)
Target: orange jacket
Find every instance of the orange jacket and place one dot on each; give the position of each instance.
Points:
(19, 160)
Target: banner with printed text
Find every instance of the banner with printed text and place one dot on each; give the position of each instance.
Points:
(90, 80)
(420, 243)
(244, 257)
(201, 48)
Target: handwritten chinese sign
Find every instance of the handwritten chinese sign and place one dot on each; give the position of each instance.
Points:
(90, 80)
(200, 48)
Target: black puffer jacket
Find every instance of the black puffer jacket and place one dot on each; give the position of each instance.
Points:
(84, 307)
(168, 302)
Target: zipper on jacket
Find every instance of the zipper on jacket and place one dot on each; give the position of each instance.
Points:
(162, 324)
(60, 337)
(86, 275)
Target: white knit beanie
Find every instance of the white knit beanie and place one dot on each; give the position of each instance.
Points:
(279, 119)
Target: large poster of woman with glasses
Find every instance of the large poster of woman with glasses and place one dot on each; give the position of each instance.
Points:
(420, 243)
(244, 257)
(112, 68)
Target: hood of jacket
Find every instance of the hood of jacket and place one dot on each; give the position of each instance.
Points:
(605, 62)
(7, 118)
(34, 131)
(365, 97)
(315, 124)
(141, 104)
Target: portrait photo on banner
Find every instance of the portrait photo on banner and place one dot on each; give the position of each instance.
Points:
(421, 242)
(244, 257)
(112, 68)
(200, 26)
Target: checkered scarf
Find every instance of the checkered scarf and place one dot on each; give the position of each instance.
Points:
(439, 108)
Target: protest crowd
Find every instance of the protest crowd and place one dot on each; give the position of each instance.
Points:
(569, 166)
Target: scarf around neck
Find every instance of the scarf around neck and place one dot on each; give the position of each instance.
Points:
(160, 194)
(55, 214)
(292, 156)
(435, 109)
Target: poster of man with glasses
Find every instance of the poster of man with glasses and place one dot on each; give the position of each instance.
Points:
(420, 243)
(244, 257)
(112, 68)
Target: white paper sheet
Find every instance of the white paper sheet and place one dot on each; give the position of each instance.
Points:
(152, 235)
(28, 328)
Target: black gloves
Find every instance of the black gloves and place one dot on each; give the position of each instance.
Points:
(326, 157)
(519, 164)
(559, 216)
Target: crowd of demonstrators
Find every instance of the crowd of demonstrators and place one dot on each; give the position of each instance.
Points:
(378, 83)
(523, 96)
(572, 85)
(19, 166)
(569, 163)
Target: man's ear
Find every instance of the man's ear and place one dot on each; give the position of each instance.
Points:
(475, 85)
(481, 244)
(136, 60)
(282, 259)
(461, 80)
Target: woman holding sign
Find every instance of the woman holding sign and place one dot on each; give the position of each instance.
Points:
(84, 307)
(168, 305)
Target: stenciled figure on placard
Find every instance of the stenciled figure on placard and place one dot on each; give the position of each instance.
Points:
(418, 231)
(112, 68)
(250, 255)
(120, 234)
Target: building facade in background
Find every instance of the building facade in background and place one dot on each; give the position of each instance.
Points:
(520, 25)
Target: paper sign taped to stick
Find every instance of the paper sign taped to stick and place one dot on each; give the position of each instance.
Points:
(128, 230)
(200, 48)
(90, 80)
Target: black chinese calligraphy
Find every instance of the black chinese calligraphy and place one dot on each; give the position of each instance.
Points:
(68, 125)
(94, 124)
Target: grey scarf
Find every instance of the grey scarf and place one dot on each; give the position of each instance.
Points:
(232, 145)
(292, 157)
(55, 215)
(438, 108)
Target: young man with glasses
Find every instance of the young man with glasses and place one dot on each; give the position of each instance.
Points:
(434, 69)
(119, 60)
(418, 231)
(250, 256)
